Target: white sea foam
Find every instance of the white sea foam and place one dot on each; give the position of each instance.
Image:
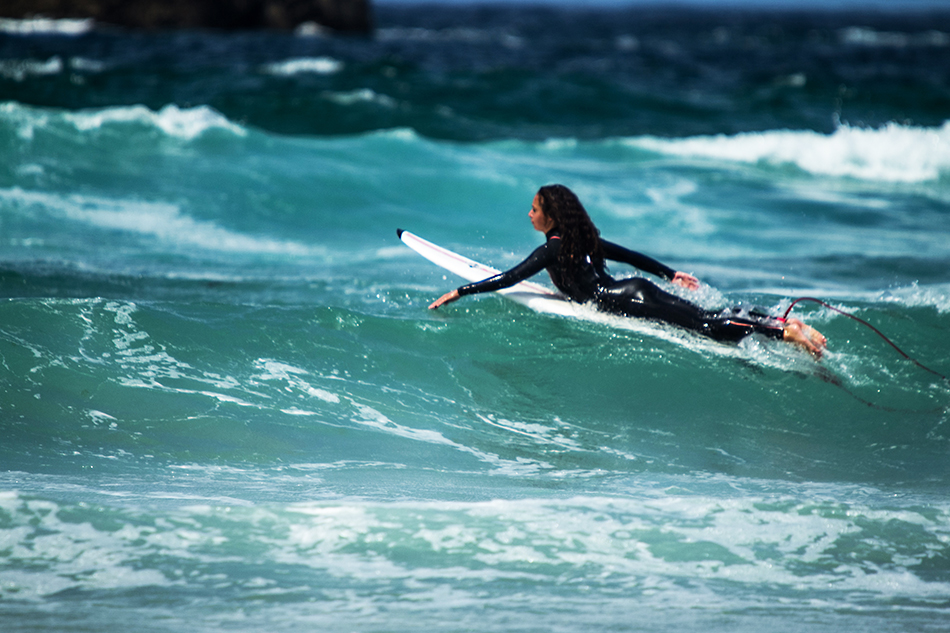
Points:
(85, 64)
(184, 123)
(459, 35)
(36, 26)
(311, 29)
(20, 69)
(892, 153)
(537, 433)
(864, 36)
(25, 120)
(931, 295)
(304, 65)
(81, 555)
(159, 220)
(364, 95)
(404, 134)
(372, 418)
(275, 371)
(664, 546)
(188, 123)
(701, 538)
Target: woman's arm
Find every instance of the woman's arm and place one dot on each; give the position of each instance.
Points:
(535, 263)
(617, 253)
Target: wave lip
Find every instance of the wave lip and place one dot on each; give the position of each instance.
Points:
(892, 153)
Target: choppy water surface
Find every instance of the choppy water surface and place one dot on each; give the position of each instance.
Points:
(226, 407)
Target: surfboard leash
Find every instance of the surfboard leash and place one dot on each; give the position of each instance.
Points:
(868, 325)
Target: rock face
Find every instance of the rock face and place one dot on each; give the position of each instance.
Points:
(352, 16)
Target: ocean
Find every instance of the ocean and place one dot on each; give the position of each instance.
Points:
(226, 407)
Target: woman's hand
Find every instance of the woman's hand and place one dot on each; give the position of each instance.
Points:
(448, 297)
(686, 280)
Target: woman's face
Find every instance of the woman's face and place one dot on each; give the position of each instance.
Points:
(539, 221)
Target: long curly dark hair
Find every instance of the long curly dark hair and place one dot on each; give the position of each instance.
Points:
(580, 239)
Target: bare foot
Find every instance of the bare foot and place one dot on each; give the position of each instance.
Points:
(805, 336)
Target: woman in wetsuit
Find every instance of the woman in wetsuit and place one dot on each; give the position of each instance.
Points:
(574, 255)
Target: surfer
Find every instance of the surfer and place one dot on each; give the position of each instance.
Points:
(574, 256)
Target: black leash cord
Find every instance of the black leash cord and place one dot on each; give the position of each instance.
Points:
(865, 323)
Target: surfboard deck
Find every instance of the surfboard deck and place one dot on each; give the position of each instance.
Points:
(527, 293)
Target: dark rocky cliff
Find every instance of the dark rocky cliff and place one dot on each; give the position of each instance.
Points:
(353, 16)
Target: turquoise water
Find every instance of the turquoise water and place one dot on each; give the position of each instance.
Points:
(226, 407)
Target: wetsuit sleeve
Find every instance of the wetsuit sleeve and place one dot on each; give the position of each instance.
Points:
(537, 261)
(617, 253)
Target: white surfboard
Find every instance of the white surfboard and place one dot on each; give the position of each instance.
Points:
(532, 295)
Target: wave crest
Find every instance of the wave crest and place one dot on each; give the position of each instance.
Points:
(302, 65)
(187, 123)
(159, 220)
(892, 153)
(45, 26)
(183, 123)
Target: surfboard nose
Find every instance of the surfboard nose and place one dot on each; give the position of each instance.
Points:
(399, 233)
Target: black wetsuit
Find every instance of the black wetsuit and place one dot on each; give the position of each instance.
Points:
(634, 297)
